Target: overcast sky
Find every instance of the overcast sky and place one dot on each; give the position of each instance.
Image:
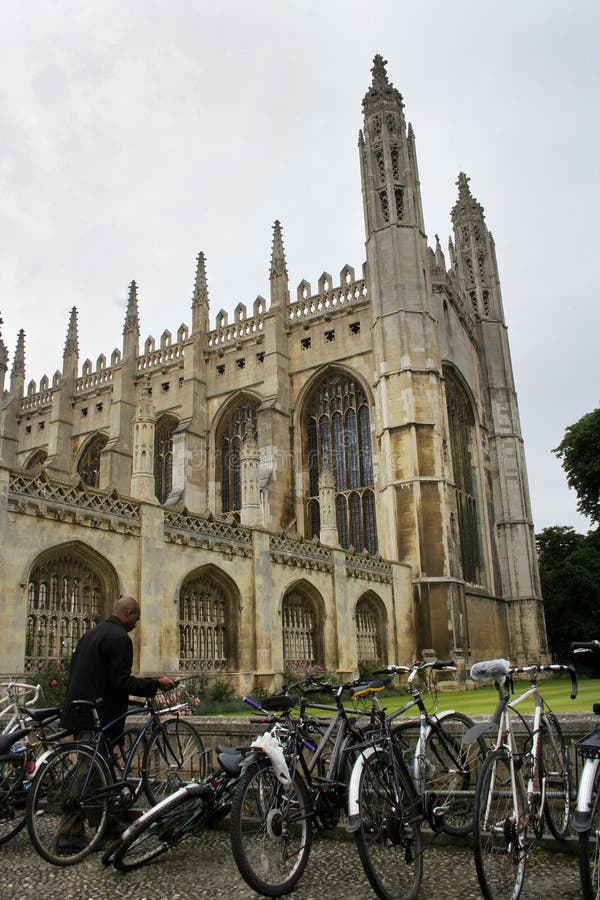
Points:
(135, 134)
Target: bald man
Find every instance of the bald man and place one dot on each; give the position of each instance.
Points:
(101, 667)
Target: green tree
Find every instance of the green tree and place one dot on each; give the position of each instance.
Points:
(579, 452)
(570, 576)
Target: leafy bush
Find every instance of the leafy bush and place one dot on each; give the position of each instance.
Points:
(53, 680)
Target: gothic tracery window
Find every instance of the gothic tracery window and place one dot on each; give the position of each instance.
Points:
(302, 642)
(337, 434)
(229, 446)
(203, 626)
(88, 467)
(462, 444)
(369, 634)
(65, 598)
(163, 457)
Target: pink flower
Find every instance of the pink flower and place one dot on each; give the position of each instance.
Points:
(54, 682)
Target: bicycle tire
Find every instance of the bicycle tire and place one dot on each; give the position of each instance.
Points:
(121, 749)
(13, 797)
(155, 832)
(270, 830)
(389, 840)
(589, 848)
(174, 755)
(451, 767)
(499, 837)
(68, 803)
(555, 775)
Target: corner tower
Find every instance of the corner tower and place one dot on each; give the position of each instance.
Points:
(413, 511)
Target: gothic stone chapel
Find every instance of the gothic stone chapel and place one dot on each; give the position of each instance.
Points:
(334, 477)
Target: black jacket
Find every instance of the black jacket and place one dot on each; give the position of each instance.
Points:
(101, 667)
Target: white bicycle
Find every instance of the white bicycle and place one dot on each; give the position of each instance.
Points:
(586, 820)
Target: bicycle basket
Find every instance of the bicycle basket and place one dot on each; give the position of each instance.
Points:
(588, 747)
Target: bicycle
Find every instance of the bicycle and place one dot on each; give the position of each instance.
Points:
(191, 808)
(519, 789)
(20, 756)
(408, 773)
(81, 783)
(586, 818)
(293, 786)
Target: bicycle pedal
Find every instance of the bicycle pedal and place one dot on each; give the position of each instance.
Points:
(440, 810)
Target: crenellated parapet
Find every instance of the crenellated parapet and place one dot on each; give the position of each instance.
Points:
(242, 328)
(350, 292)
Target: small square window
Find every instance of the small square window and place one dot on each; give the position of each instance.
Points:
(99, 407)
(330, 336)
(306, 343)
(241, 363)
(221, 369)
(28, 429)
(260, 357)
(41, 426)
(84, 411)
(165, 386)
(354, 328)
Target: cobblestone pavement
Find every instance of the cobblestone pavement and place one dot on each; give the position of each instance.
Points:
(203, 867)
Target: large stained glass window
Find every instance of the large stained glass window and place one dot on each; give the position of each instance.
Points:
(163, 457)
(462, 446)
(229, 447)
(337, 434)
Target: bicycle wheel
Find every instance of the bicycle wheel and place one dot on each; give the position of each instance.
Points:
(13, 797)
(389, 837)
(451, 771)
(499, 835)
(555, 776)
(121, 749)
(271, 832)
(155, 832)
(174, 755)
(67, 808)
(589, 849)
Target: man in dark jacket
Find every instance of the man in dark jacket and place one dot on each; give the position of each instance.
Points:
(101, 668)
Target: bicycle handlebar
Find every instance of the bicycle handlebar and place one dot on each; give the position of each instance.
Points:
(553, 667)
(418, 666)
(585, 646)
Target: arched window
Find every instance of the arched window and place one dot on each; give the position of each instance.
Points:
(302, 640)
(370, 643)
(88, 467)
(229, 445)
(462, 445)
(36, 460)
(163, 457)
(337, 434)
(65, 598)
(204, 637)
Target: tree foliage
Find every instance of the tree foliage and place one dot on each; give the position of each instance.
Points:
(570, 577)
(579, 452)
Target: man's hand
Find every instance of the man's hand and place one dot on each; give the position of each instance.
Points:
(167, 684)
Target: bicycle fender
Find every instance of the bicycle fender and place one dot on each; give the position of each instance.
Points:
(354, 820)
(271, 747)
(585, 792)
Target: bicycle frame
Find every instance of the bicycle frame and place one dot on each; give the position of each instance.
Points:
(101, 747)
(10, 706)
(506, 740)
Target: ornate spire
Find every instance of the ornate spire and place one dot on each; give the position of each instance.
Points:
(132, 321)
(200, 297)
(72, 341)
(466, 203)
(18, 366)
(382, 91)
(278, 263)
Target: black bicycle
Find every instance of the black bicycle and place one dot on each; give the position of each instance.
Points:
(295, 786)
(82, 783)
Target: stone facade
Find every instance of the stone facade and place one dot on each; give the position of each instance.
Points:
(333, 477)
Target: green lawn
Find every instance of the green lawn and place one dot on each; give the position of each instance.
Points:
(483, 700)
